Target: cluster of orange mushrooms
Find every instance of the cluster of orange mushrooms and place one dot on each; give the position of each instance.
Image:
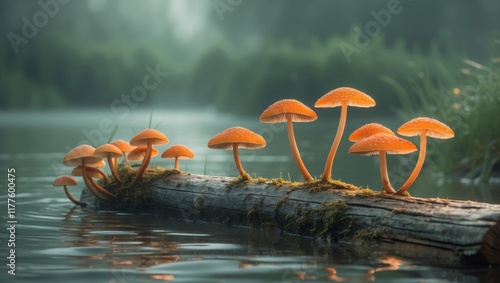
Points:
(369, 139)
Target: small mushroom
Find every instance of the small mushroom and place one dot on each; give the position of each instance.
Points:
(110, 152)
(234, 138)
(342, 96)
(424, 127)
(148, 138)
(370, 130)
(65, 181)
(383, 144)
(92, 172)
(139, 153)
(289, 111)
(177, 151)
(125, 148)
(83, 155)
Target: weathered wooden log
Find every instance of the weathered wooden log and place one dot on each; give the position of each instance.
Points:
(336, 212)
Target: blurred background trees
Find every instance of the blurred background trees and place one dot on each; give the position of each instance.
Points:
(236, 56)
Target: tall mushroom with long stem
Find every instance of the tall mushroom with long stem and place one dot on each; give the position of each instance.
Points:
(83, 155)
(370, 130)
(110, 152)
(65, 181)
(235, 138)
(342, 96)
(423, 127)
(148, 138)
(383, 144)
(289, 111)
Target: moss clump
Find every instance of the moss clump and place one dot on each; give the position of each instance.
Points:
(363, 193)
(131, 194)
(329, 217)
(365, 235)
(199, 202)
(239, 182)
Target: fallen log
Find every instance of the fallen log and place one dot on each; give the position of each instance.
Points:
(451, 230)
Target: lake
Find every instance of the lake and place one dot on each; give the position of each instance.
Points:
(57, 242)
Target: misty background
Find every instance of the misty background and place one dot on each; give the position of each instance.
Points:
(235, 56)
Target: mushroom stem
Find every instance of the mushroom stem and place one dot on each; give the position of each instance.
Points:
(386, 184)
(295, 150)
(145, 161)
(71, 198)
(99, 188)
(176, 163)
(327, 173)
(112, 166)
(87, 182)
(418, 166)
(126, 161)
(100, 172)
(238, 163)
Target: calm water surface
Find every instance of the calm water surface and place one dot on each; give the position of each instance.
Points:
(57, 242)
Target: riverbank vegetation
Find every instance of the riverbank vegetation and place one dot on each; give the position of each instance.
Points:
(467, 99)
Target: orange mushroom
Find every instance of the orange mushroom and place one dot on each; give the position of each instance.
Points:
(369, 130)
(289, 111)
(110, 152)
(383, 144)
(83, 155)
(424, 127)
(125, 147)
(234, 138)
(65, 181)
(148, 138)
(139, 153)
(342, 96)
(92, 172)
(178, 151)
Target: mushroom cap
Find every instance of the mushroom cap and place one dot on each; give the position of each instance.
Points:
(148, 134)
(123, 145)
(239, 135)
(64, 180)
(92, 171)
(276, 112)
(352, 96)
(391, 144)
(106, 150)
(369, 130)
(100, 163)
(82, 152)
(433, 128)
(178, 150)
(139, 153)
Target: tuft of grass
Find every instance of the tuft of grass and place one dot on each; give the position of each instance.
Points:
(467, 100)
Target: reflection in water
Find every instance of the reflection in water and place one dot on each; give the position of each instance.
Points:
(62, 243)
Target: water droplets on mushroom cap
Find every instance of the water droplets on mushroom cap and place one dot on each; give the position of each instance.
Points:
(369, 130)
(391, 144)
(352, 96)
(178, 150)
(239, 135)
(434, 128)
(82, 152)
(149, 134)
(106, 150)
(277, 112)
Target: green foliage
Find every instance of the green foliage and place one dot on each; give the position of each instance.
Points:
(248, 82)
(467, 101)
